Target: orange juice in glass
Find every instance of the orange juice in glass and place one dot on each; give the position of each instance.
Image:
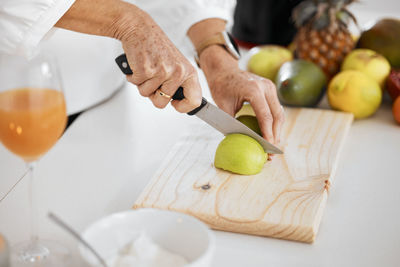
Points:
(32, 119)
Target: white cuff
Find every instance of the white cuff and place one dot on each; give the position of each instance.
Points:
(195, 17)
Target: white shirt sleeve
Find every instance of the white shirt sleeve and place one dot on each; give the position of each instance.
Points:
(175, 17)
(24, 23)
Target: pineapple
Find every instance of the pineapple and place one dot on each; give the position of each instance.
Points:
(323, 36)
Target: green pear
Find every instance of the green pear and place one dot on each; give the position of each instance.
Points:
(251, 122)
(239, 153)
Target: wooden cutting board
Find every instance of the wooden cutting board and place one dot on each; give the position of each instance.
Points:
(286, 200)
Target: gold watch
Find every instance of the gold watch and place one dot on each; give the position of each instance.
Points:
(223, 39)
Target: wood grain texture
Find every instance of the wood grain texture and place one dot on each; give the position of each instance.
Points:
(286, 200)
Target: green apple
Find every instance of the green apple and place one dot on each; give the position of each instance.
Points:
(251, 122)
(268, 60)
(370, 63)
(245, 110)
(239, 153)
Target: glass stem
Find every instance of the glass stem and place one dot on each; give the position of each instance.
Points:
(32, 201)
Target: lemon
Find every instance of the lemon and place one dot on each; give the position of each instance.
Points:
(240, 154)
(353, 91)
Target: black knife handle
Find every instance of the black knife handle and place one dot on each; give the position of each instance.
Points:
(123, 64)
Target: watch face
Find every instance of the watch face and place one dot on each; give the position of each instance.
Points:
(233, 42)
(231, 45)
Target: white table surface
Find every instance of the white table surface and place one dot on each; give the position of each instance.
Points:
(108, 155)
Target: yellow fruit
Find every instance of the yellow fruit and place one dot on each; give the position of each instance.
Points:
(268, 60)
(370, 63)
(292, 47)
(353, 91)
(240, 154)
(245, 110)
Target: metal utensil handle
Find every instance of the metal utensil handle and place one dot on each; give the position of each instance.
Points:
(123, 64)
(75, 234)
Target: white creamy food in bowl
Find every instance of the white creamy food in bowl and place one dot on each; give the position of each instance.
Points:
(144, 252)
(150, 238)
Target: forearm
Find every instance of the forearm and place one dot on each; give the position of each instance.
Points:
(214, 58)
(111, 18)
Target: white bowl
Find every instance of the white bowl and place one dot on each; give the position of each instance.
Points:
(173, 231)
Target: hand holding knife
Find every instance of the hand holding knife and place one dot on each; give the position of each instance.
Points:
(211, 114)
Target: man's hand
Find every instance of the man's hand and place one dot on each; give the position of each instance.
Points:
(158, 64)
(231, 86)
(155, 61)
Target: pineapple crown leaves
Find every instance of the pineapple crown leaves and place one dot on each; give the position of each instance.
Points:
(344, 16)
(323, 13)
(304, 12)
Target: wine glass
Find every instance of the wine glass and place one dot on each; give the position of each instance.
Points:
(32, 119)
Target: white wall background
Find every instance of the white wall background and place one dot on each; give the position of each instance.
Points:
(368, 12)
(379, 5)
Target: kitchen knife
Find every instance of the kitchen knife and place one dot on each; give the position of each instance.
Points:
(211, 114)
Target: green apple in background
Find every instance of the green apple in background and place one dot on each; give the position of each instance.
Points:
(369, 62)
(239, 153)
(268, 60)
(251, 122)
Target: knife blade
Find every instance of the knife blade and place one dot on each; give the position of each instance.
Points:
(212, 115)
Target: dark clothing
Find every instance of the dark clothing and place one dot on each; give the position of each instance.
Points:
(72, 118)
(264, 21)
